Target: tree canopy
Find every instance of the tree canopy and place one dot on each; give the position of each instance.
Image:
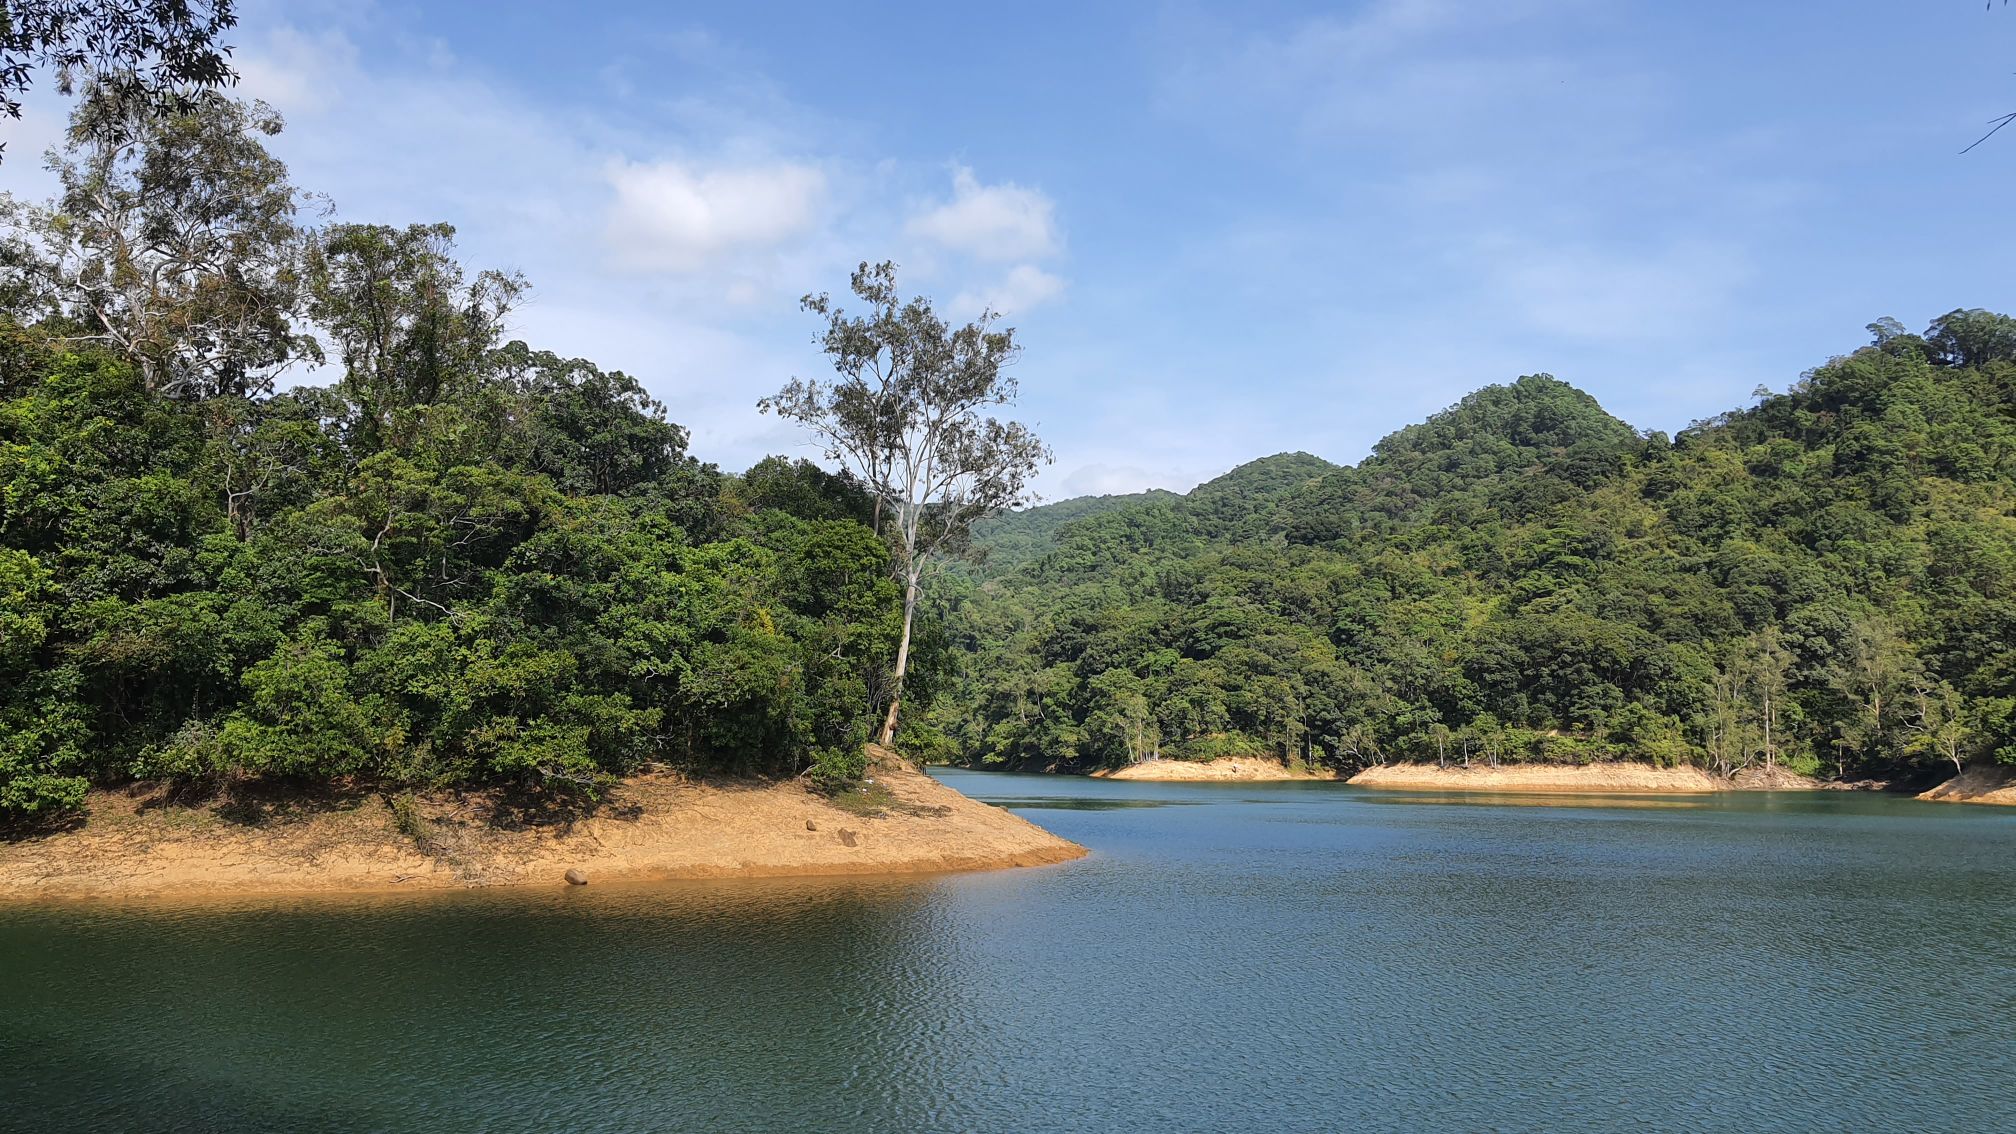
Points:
(142, 57)
(466, 560)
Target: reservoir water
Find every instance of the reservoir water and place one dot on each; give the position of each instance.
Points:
(1236, 957)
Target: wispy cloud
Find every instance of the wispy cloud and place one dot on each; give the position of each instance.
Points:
(1668, 291)
(1024, 287)
(1544, 189)
(994, 222)
(666, 231)
(673, 216)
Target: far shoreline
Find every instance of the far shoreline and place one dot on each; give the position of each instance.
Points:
(1621, 777)
(1244, 769)
(1984, 785)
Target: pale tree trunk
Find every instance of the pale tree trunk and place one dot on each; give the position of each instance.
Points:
(902, 657)
(1770, 754)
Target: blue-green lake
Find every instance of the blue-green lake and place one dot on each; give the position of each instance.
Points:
(1268, 958)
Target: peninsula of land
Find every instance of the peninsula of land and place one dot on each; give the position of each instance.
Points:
(1980, 784)
(135, 843)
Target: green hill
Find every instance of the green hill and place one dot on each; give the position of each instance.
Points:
(1826, 581)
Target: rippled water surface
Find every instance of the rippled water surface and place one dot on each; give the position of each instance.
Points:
(1261, 958)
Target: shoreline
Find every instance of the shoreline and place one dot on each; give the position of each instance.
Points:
(132, 844)
(1621, 778)
(1994, 785)
(1250, 769)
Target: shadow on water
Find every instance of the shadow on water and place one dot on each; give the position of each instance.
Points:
(702, 1006)
(1068, 803)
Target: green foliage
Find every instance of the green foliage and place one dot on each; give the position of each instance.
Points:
(835, 769)
(1824, 582)
(464, 562)
(801, 488)
(529, 609)
(146, 54)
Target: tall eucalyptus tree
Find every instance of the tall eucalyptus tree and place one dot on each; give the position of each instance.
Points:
(908, 416)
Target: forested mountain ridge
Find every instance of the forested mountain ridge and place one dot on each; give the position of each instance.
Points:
(1013, 538)
(1825, 582)
(1511, 450)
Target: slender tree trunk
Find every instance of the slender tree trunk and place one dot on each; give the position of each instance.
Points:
(902, 658)
(1770, 756)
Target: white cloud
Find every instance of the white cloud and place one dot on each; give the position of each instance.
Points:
(1025, 286)
(671, 216)
(994, 222)
(297, 71)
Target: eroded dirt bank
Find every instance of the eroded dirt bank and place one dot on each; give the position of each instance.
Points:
(1625, 778)
(1979, 784)
(653, 827)
(1228, 768)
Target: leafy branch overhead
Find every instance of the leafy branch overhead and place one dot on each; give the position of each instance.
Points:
(1995, 125)
(147, 57)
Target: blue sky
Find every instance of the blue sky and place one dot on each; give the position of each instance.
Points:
(1222, 231)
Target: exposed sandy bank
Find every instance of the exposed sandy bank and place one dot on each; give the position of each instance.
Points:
(654, 827)
(1989, 784)
(1755, 778)
(1622, 778)
(1228, 768)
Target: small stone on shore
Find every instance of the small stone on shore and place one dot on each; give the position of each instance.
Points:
(810, 825)
(846, 837)
(575, 877)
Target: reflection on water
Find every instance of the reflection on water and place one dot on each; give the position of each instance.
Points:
(1262, 958)
(568, 1009)
(1063, 803)
(1541, 799)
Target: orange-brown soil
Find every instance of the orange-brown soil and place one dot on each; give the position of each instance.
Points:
(136, 843)
(1619, 778)
(1226, 768)
(1991, 784)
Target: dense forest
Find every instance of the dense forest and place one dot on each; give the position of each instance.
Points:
(466, 560)
(1824, 583)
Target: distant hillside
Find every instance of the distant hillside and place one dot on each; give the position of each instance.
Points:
(1825, 583)
(1234, 501)
(1506, 451)
(1014, 538)
(1241, 502)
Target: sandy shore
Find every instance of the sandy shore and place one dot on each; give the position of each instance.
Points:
(653, 827)
(1229, 768)
(1622, 778)
(1991, 784)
